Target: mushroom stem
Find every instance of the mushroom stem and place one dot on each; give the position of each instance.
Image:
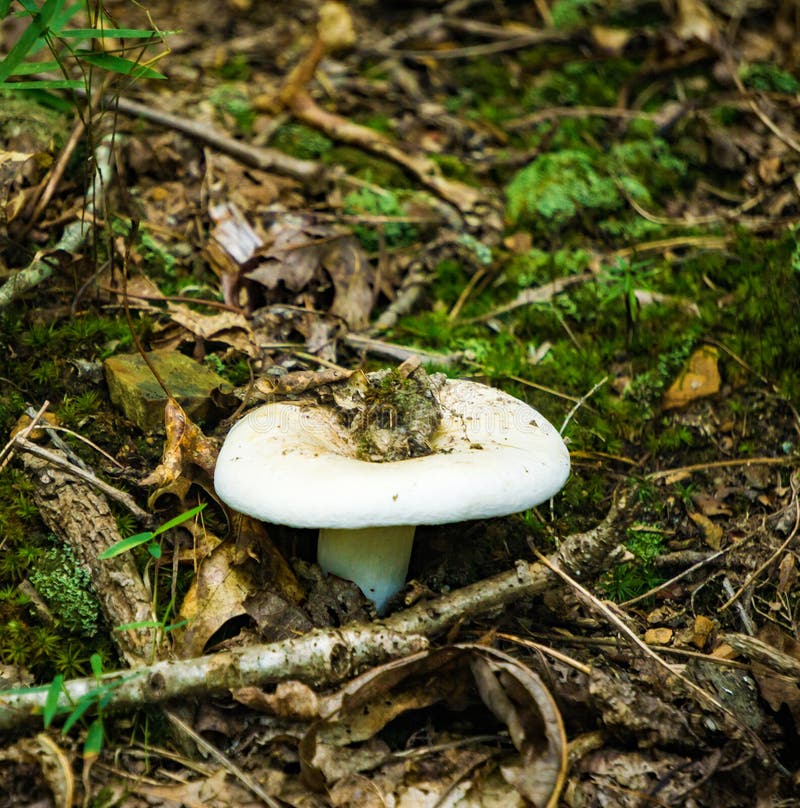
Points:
(374, 558)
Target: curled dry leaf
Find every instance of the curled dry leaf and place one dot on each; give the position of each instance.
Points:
(189, 457)
(454, 676)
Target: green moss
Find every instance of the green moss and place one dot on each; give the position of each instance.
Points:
(66, 588)
(367, 167)
(233, 101)
(301, 141)
(571, 13)
(768, 78)
(367, 202)
(558, 186)
(634, 578)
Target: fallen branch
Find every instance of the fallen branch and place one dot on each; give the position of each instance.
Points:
(308, 172)
(82, 519)
(322, 657)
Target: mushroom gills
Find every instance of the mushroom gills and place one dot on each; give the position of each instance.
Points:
(374, 558)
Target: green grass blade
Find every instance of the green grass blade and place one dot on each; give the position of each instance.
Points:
(125, 545)
(93, 744)
(35, 30)
(117, 33)
(116, 64)
(26, 68)
(80, 708)
(51, 702)
(179, 520)
(44, 84)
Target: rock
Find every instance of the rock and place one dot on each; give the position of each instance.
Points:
(135, 391)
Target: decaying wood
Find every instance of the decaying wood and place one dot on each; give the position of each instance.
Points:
(326, 657)
(82, 519)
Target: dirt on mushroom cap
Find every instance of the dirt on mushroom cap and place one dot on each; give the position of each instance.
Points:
(390, 415)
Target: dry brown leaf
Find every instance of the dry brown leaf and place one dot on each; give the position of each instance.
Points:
(299, 381)
(700, 378)
(217, 595)
(658, 636)
(777, 691)
(188, 457)
(352, 276)
(712, 532)
(228, 327)
(703, 629)
(214, 791)
(695, 21)
(451, 675)
(247, 576)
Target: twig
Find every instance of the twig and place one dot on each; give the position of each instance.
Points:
(8, 450)
(398, 352)
(242, 776)
(579, 403)
(573, 112)
(538, 294)
(674, 579)
(46, 193)
(317, 657)
(721, 464)
(56, 439)
(310, 173)
(114, 493)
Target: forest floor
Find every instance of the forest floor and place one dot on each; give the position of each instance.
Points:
(593, 206)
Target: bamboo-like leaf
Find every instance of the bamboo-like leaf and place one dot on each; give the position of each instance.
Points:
(44, 84)
(51, 702)
(116, 64)
(125, 545)
(179, 520)
(26, 68)
(116, 33)
(38, 25)
(93, 744)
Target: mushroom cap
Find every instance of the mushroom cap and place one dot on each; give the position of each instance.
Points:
(294, 464)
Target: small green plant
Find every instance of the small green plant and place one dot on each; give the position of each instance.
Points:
(768, 78)
(301, 141)
(634, 578)
(571, 13)
(233, 101)
(149, 537)
(50, 26)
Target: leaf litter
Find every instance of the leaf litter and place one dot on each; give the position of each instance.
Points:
(298, 284)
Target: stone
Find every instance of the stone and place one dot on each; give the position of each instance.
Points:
(139, 396)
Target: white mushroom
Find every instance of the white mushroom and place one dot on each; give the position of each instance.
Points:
(294, 464)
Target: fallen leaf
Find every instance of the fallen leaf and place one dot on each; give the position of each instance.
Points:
(712, 532)
(188, 457)
(658, 636)
(700, 378)
(703, 629)
(352, 276)
(453, 675)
